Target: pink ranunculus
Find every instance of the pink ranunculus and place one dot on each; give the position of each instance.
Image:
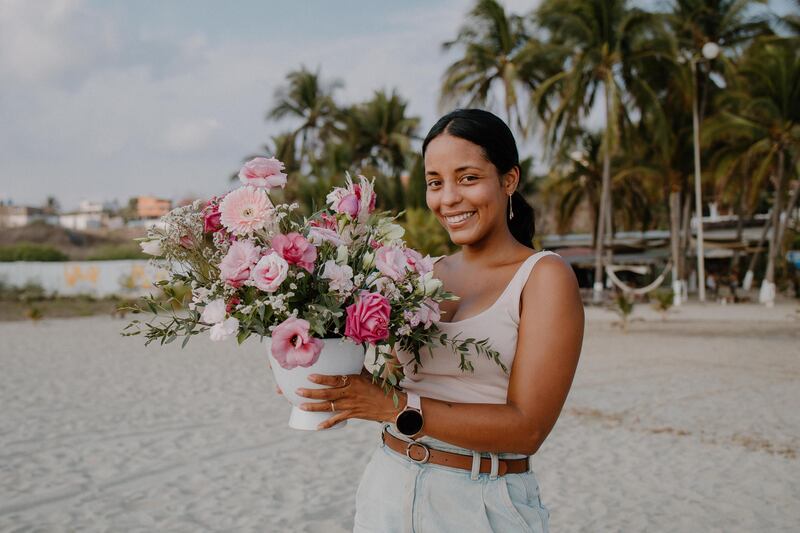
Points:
(269, 272)
(292, 344)
(245, 210)
(211, 218)
(419, 264)
(263, 172)
(368, 318)
(234, 269)
(391, 262)
(347, 204)
(296, 250)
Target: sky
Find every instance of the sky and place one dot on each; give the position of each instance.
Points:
(108, 99)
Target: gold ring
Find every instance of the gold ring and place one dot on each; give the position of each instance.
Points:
(333, 407)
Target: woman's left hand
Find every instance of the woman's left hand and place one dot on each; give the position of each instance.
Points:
(353, 397)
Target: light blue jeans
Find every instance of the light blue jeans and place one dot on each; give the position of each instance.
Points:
(397, 495)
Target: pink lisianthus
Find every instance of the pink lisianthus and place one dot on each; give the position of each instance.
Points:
(211, 218)
(368, 318)
(263, 172)
(245, 210)
(296, 250)
(269, 272)
(234, 269)
(292, 345)
(325, 229)
(391, 262)
(347, 204)
(419, 264)
(427, 314)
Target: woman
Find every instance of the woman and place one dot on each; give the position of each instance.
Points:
(460, 460)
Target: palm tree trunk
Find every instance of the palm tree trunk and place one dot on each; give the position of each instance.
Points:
(675, 243)
(784, 220)
(734, 266)
(604, 203)
(748, 277)
(767, 294)
(686, 234)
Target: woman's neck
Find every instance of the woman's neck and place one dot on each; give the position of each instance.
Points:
(488, 250)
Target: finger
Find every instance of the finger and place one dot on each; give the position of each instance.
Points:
(317, 406)
(330, 380)
(335, 419)
(333, 393)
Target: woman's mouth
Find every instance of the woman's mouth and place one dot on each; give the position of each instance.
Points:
(459, 220)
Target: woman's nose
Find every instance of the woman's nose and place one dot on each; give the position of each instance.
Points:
(450, 194)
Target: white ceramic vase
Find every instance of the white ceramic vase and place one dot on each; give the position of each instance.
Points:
(338, 357)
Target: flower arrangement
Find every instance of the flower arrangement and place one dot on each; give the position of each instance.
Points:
(260, 268)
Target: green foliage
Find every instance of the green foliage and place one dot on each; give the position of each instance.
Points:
(26, 251)
(114, 252)
(425, 234)
(662, 300)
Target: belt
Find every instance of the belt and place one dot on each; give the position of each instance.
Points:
(422, 453)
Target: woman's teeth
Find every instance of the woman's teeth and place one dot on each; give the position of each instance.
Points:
(459, 218)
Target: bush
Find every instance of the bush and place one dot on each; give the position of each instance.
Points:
(115, 252)
(26, 251)
(424, 233)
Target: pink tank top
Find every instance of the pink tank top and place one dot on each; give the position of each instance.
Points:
(441, 378)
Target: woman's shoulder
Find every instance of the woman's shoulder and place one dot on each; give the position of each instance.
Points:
(551, 275)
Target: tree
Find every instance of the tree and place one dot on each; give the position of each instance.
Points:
(602, 39)
(761, 109)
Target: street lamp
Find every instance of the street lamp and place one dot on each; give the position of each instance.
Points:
(709, 51)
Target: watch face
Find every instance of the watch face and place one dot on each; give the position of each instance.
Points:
(409, 422)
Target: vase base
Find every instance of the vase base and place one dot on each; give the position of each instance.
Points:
(309, 420)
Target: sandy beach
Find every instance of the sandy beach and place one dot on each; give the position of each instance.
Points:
(684, 424)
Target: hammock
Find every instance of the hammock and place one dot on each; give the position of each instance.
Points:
(612, 270)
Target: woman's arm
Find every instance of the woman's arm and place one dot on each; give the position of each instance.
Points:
(548, 347)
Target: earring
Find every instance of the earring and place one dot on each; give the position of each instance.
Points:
(510, 208)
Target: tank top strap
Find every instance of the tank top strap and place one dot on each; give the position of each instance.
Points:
(513, 291)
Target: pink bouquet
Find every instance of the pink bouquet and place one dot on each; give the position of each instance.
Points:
(255, 267)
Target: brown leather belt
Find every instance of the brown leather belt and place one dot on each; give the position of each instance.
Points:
(421, 453)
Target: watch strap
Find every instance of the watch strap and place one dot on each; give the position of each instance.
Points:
(413, 401)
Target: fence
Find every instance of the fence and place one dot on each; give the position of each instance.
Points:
(98, 278)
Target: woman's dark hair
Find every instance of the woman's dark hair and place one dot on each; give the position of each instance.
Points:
(497, 142)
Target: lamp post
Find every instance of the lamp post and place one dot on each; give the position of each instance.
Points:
(709, 51)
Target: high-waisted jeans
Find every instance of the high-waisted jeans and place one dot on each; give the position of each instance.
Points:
(397, 495)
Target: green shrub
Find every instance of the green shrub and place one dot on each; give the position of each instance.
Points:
(115, 252)
(26, 251)
(424, 233)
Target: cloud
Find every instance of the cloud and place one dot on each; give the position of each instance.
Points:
(190, 135)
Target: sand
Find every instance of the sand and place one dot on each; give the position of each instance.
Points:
(688, 424)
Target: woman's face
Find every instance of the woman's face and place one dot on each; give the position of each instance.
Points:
(464, 190)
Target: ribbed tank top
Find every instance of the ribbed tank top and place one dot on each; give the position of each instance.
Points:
(441, 378)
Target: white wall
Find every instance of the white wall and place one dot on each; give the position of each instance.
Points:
(98, 278)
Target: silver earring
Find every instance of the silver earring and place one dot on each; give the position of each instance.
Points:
(510, 208)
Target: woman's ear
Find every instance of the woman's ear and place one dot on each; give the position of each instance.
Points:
(511, 180)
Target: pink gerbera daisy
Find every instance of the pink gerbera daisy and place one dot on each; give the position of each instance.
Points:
(245, 210)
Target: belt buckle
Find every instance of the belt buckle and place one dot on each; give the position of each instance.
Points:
(424, 447)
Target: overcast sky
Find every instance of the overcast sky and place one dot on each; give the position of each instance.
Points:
(109, 99)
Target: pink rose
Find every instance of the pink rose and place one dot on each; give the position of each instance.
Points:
(263, 172)
(293, 346)
(391, 262)
(368, 318)
(295, 249)
(234, 269)
(269, 272)
(211, 218)
(420, 265)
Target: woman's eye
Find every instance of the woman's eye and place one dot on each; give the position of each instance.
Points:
(469, 178)
(433, 183)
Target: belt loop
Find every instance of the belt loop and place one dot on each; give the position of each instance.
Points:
(476, 465)
(530, 463)
(495, 465)
(383, 435)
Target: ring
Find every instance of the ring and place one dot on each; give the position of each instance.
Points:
(344, 380)
(333, 408)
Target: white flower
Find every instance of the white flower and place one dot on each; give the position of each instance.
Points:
(389, 232)
(341, 254)
(151, 247)
(214, 312)
(223, 330)
(340, 276)
(368, 260)
(427, 284)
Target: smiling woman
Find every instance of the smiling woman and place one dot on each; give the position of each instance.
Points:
(455, 454)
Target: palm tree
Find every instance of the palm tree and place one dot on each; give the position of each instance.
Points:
(603, 39)
(762, 111)
(308, 99)
(497, 50)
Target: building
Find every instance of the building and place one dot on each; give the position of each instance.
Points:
(152, 207)
(14, 216)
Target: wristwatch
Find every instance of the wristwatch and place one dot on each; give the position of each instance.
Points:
(409, 421)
